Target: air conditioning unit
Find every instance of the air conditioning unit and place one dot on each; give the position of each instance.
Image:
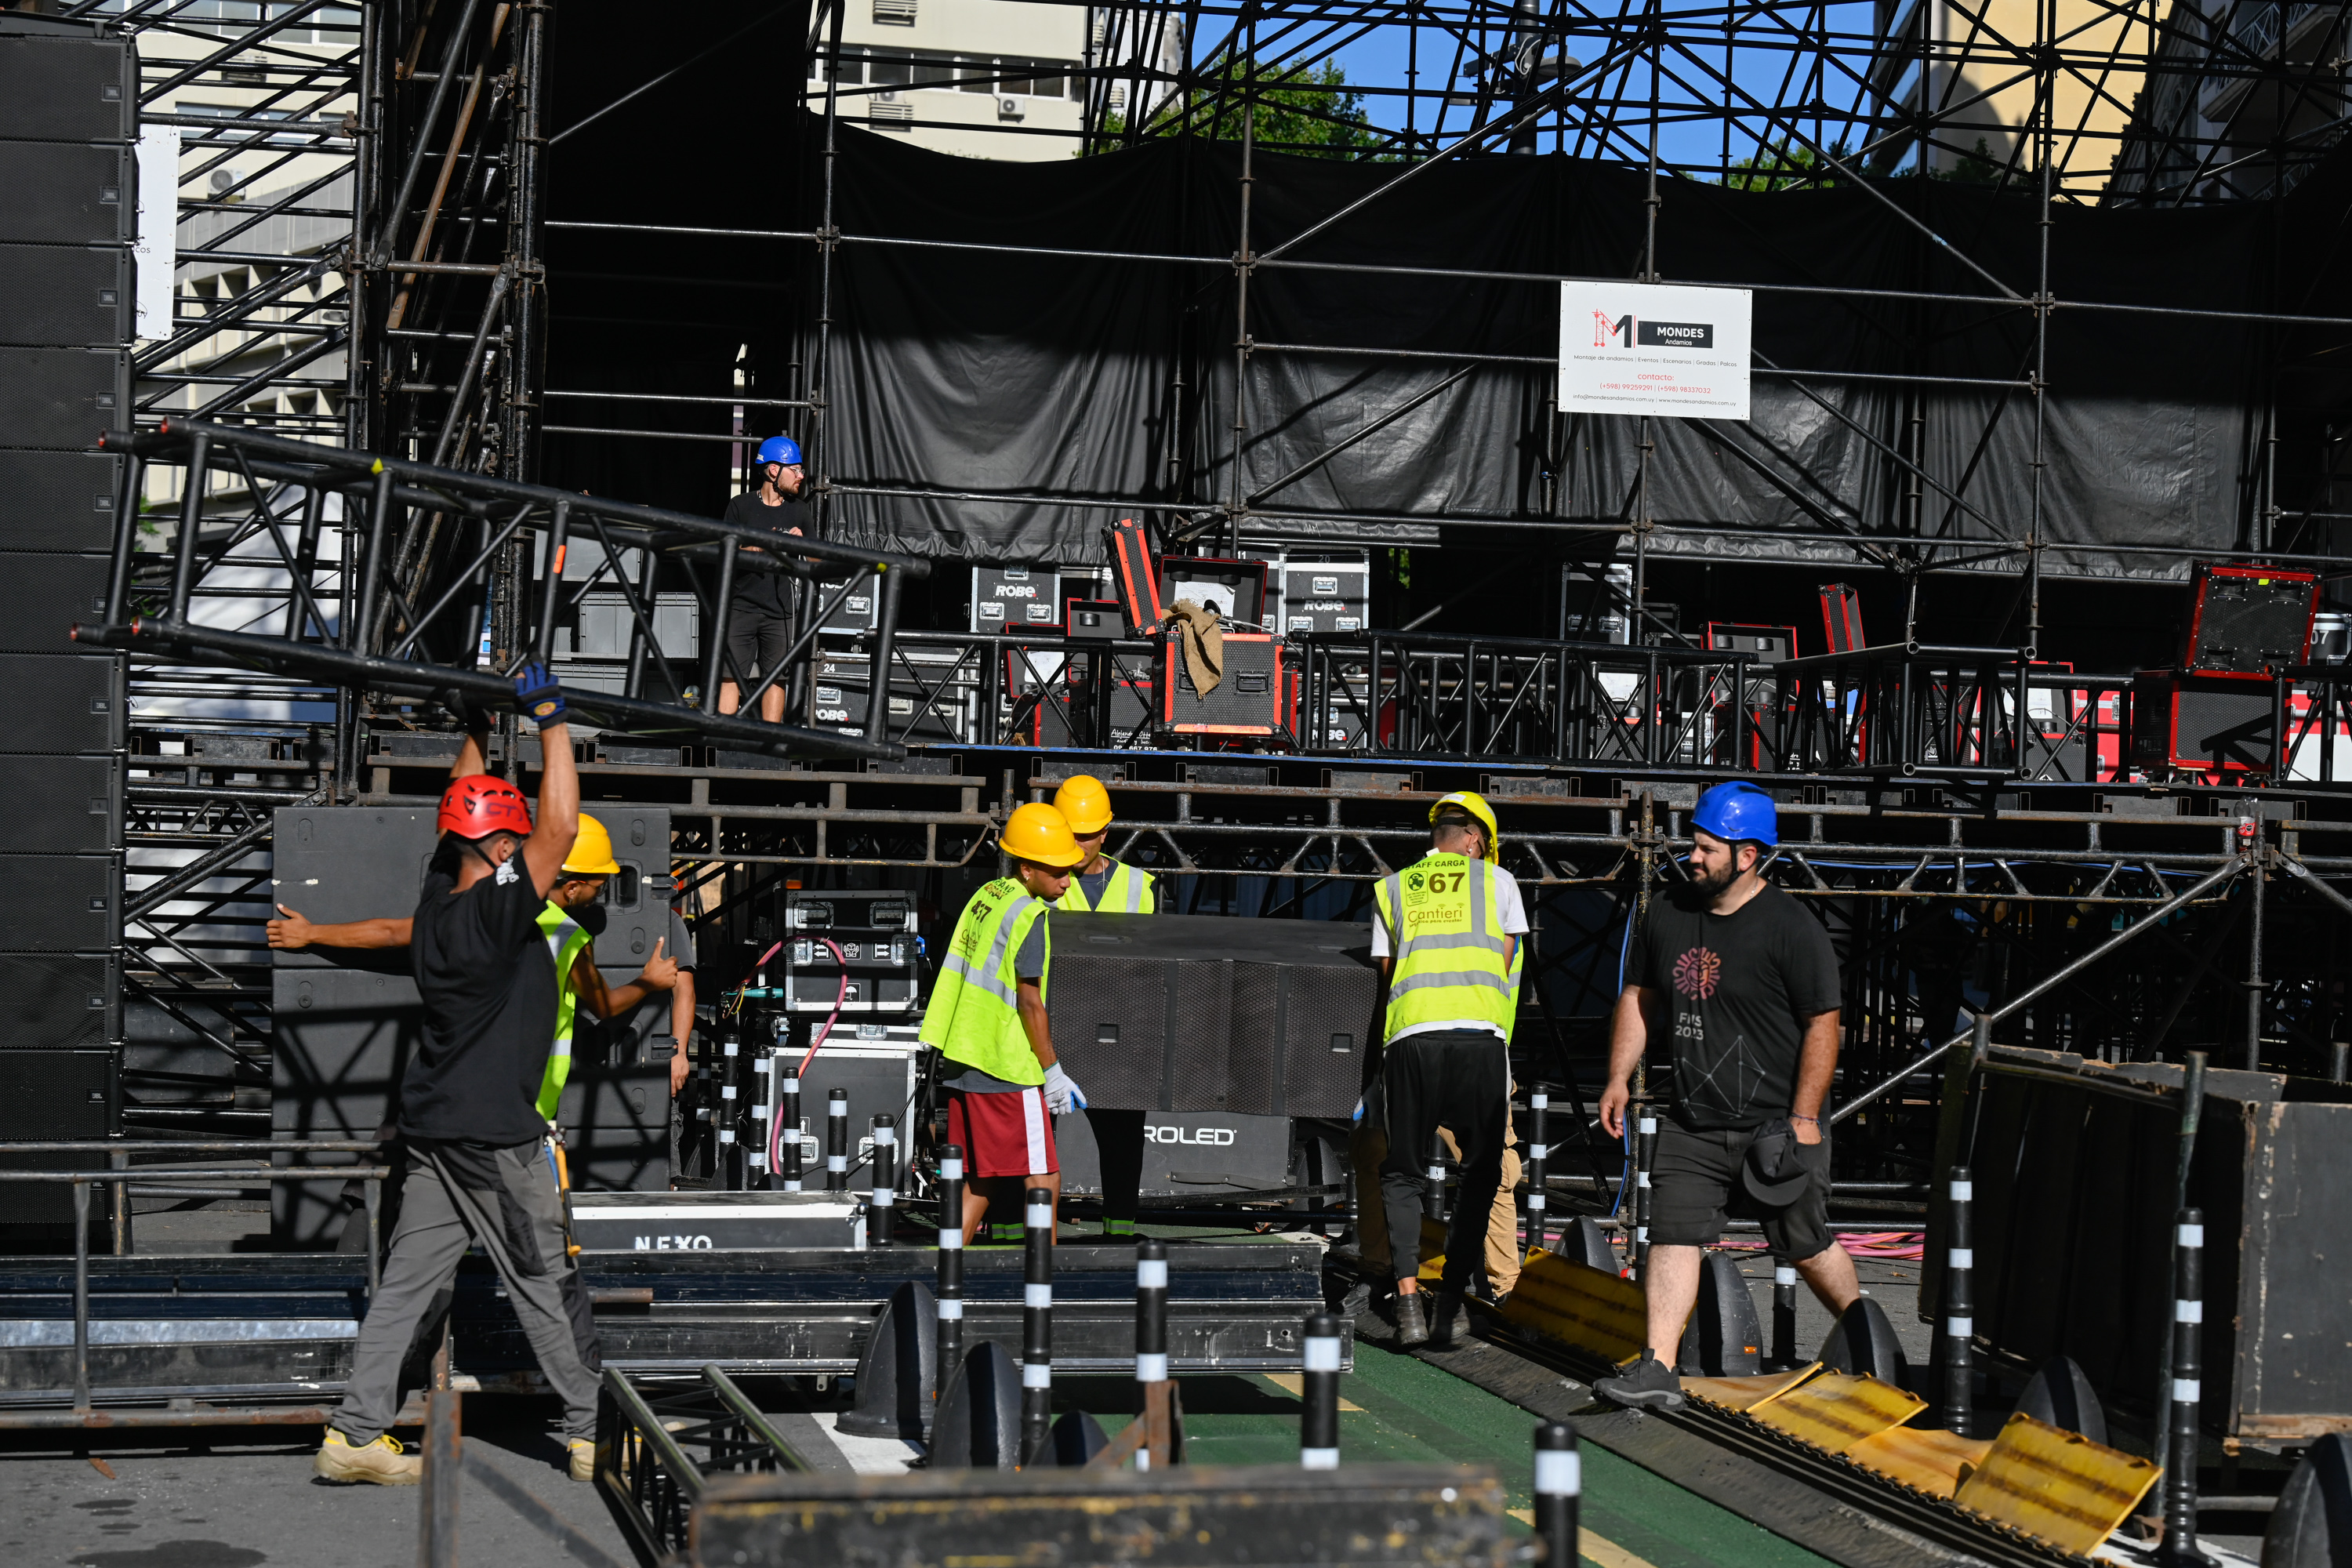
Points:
(893, 13)
(1009, 109)
(885, 113)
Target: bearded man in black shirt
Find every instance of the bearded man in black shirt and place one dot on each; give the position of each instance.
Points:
(1745, 985)
(759, 611)
(481, 1166)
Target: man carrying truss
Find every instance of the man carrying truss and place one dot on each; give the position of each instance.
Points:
(1745, 984)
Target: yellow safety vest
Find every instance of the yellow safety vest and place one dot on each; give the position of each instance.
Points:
(974, 1017)
(1129, 892)
(565, 938)
(1447, 945)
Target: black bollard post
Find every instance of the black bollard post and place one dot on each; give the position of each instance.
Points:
(763, 1119)
(1037, 1328)
(1538, 1172)
(1959, 1307)
(881, 1203)
(949, 1288)
(2186, 1393)
(837, 1141)
(1152, 1348)
(1784, 1318)
(1432, 1181)
(1559, 1484)
(1318, 1393)
(788, 1141)
(730, 1146)
(1645, 1153)
(2339, 1061)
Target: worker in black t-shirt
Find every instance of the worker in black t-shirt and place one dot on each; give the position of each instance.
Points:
(482, 1170)
(760, 612)
(1744, 984)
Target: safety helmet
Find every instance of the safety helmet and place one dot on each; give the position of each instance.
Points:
(779, 449)
(1038, 833)
(1736, 811)
(1471, 801)
(591, 852)
(478, 805)
(1085, 803)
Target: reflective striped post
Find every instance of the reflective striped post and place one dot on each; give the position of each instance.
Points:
(1645, 1150)
(788, 1142)
(1959, 1306)
(949, 1286)
(1318, 1393)
(1433, 1179)
(731, 1150)
(1151, 1349)
(837, 1141)
(763, 1117)
(1539, 1152)
(1560, 1483)
(1038, 1329)
(2187, 1391)
(881, 1203)
(1784, 1318)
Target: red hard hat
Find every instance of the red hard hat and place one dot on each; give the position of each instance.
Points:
(479, 805)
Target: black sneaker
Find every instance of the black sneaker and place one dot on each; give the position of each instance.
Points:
(1646, 1383)
(1411, 1328)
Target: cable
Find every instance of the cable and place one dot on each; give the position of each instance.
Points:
(840, 996)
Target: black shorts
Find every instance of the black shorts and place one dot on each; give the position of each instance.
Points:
(756, 640)
(1694, 1186)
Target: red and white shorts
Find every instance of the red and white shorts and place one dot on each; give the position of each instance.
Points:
(1002, 1134)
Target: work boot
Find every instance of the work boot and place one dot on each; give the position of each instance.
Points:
(1445, 1312)
(1647, 1383)
(1412, 1329)
(382, 1462)
(584, 1458)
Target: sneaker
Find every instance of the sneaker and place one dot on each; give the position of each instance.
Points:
(584, 1458)
(1647, 1383)
(383, 1462)
(1411, 1328)
(1444, 1311)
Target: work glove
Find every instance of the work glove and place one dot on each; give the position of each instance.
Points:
(1062, 1091)
(538, 697)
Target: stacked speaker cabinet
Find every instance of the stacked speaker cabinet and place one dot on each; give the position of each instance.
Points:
(68, 207)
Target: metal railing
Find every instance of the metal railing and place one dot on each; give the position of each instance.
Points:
(643, 1465)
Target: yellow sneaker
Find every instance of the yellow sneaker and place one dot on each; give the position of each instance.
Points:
(584, 1458)
(382, 1462)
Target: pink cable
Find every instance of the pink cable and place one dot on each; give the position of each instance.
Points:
(776, 1123)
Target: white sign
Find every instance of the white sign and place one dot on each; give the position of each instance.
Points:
(157, 254)
(1653, 348)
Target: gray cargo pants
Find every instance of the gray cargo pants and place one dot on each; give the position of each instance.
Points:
(505, 1201)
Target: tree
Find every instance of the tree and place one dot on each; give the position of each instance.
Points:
(1783, 165)
(1305, 109)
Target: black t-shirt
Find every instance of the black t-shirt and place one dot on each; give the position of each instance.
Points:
(1738, 990)
(488, 983)
(763, 593)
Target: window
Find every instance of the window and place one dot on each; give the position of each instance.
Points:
(934, 73)
(888, 70)
(976, 76)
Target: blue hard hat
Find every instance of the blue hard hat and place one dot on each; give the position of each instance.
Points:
(779, 449)
(1736, 811)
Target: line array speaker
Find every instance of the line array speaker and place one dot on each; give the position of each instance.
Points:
(71, 296)
(60, 81)
(50, 592)
(59, 500)
(58, 1001)
(62, 399)
(63, 195)
(61, 703)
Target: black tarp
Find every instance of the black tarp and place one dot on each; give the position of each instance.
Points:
(1091, 379)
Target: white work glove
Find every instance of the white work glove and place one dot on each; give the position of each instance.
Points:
(1062, 1091)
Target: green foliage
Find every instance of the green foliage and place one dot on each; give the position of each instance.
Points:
(1313, 114)
(1784, 165)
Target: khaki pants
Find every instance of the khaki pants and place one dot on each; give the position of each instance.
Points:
(1369, 1146)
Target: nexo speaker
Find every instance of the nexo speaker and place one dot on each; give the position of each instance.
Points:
(2204, 723)
(1248, 700)
(1256, 1017)
(2249, 620)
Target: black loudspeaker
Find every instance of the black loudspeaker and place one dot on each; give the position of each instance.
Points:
(66, 295)
(2249, 620)
(61, 703)
(1256, 1017)
(1248, 700)
(70, 805)
(61, 81)
(1199, 1153)
(57, 1001)
(62, 398)
(59, 903)
(49, 593)
(63, 195)
(2220, 724)
(59, 500)
(55, 1096)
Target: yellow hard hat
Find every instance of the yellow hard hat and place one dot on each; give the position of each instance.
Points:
(1083, 800)
(1471, 801)
(591, 852)
(1038, 833)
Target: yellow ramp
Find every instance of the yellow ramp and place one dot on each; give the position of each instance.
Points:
(1746, 1393)
(1921, 1459)
(2056, 1485)
(1580, 1306)
(1839, 1409)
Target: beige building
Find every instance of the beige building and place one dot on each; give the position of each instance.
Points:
(1965, 68)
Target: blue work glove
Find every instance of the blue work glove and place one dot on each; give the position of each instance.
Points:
(538, 697)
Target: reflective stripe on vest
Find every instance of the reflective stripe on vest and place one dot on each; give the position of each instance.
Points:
(974, 1015)
(1129, 892)
(1447, 945)
(565, 939)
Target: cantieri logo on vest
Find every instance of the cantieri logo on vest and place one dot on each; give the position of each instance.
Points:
(1653, 349)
